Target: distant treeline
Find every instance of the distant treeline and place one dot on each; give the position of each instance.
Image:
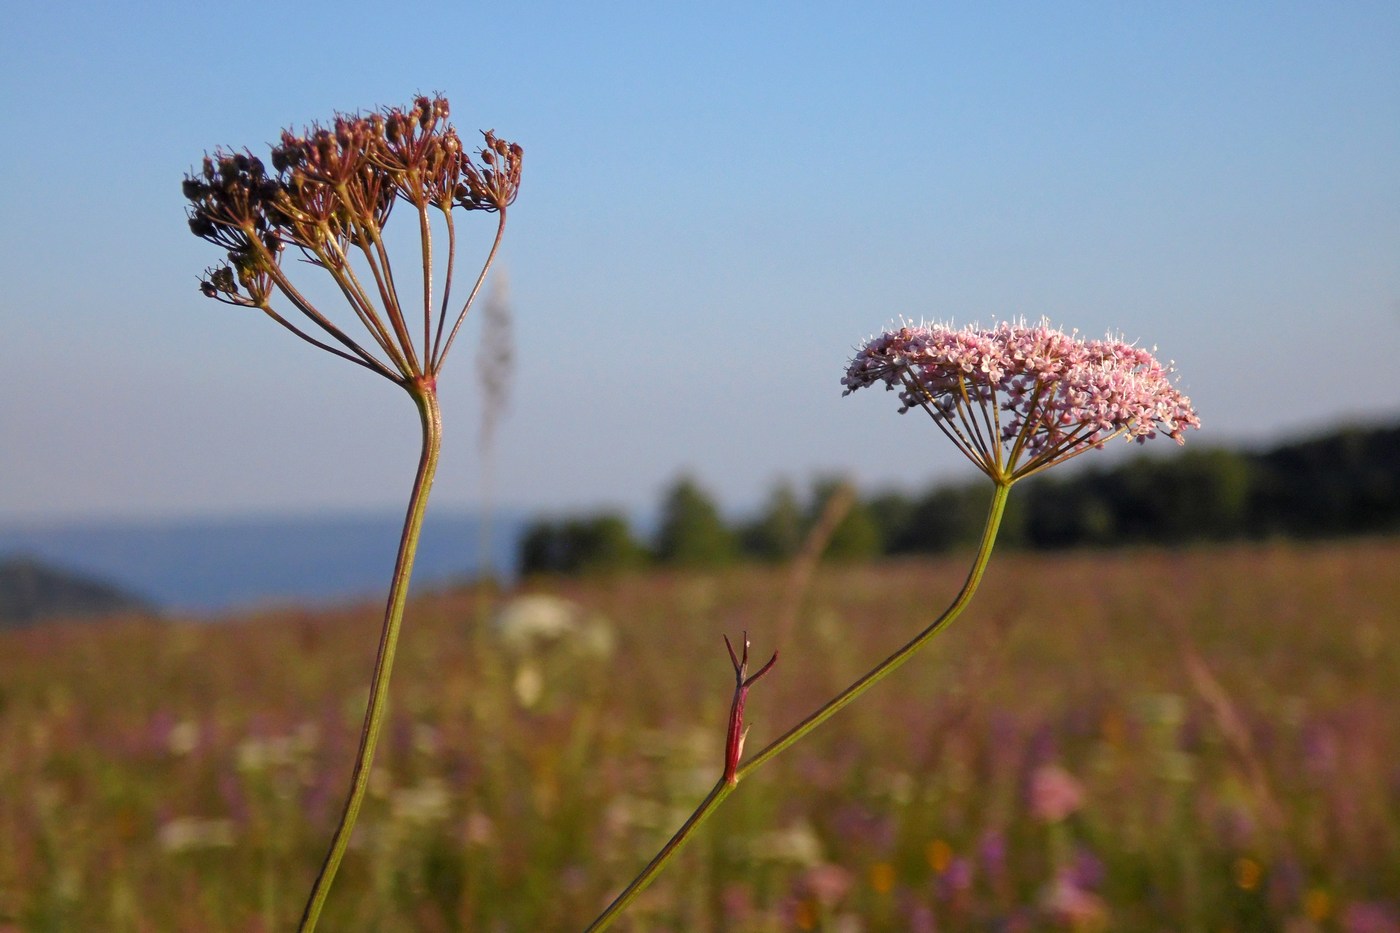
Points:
(1345, 483)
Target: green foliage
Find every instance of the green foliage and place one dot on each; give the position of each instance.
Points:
(1341, 484)
(856, 537)
(942, 519)
(592, 544)
(776, 533)
(1196, 495)
(692, 533)
(1344, 483)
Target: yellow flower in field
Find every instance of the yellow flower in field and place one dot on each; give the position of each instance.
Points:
(1247, 873)
(1317, 904)
(882, 877)
(939, 855)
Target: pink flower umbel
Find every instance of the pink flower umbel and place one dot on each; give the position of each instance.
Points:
(1016, 399)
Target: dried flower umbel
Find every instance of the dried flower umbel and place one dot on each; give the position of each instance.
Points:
(328, 198)
(1015, 400)
(327, 201)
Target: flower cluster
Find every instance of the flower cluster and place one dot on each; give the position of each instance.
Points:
(1016, 399)
(329, 195)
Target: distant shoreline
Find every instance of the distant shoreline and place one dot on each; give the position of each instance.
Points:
(209, 566)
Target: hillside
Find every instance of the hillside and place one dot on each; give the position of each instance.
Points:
(31, 592)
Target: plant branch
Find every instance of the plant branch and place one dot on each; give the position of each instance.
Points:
(424, 395)
(730, 780)
(887, 666)
(436, 365)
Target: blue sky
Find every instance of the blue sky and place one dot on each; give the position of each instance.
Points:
(719, 202)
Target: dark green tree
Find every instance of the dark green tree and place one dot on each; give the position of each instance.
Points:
(942, 519)
(1346, 482)
(601, 543)
(777, 532)
(857, 536)
(604, 544)
(692, 533)
(1069, 512)
(1196, 495)
(891, 511)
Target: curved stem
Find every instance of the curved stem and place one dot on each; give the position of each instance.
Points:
(375, 368)
(432, 347)
(878, 673)
(724, 787)
(425, 396)
(707, 806)
(425, 240)
(435, 363)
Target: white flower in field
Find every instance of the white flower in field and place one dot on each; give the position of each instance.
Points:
(426, 739)
(261, 753)
(428, 802)
(186, 833)
(183, 737)
(798, 844)
(527, 621)
(530, 624)
(550, 642)
(528, 683)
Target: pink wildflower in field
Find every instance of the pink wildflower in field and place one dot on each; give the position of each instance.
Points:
(1073, 906)
(827, 884)
(1372, 917)
(1016, 399)
(1054, 794)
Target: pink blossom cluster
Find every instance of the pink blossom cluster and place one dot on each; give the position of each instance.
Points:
(1019, 398)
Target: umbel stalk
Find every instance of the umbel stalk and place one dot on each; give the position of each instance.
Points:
(726, 784)
(425, 396)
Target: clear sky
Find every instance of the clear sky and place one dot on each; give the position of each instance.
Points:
(720, 200)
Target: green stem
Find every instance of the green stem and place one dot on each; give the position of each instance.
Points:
(878, 673)
(639, 884)
(425, 396)
(723, 789)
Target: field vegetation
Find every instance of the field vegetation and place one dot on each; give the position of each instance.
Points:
(1194, 740)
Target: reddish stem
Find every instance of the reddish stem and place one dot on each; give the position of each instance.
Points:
(734, 741)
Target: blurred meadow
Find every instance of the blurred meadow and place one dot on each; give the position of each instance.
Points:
(1159, 740)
